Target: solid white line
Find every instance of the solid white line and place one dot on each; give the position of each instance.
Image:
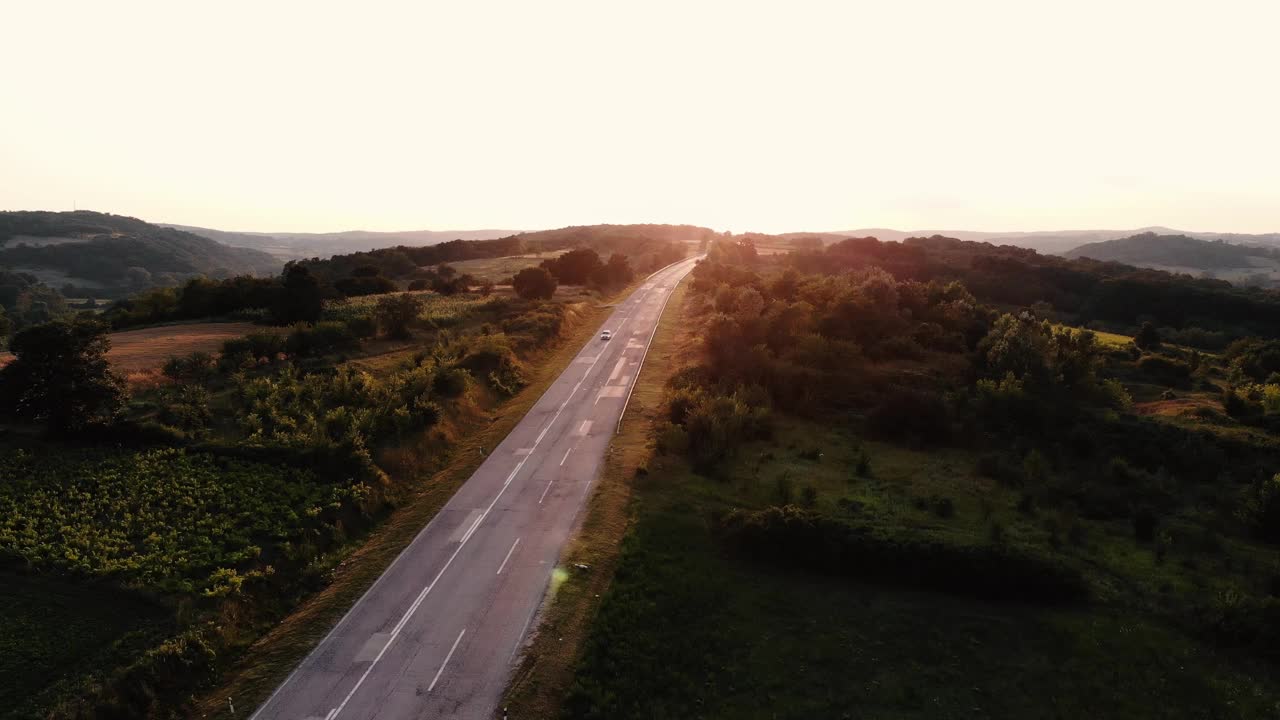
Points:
(627, 402)
(544, 492)
(520, 637)
(566, 456)
(508, 557)
(330, 715)
(436, 679)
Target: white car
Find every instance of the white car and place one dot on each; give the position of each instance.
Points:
(606, 334)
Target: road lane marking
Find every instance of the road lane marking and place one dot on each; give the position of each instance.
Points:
(544, 492)
(436, 679)
(617, 369)
(508, 557)
(520, 637)
(465, 526)
(404, 619)
(566, 456)
(585, 427)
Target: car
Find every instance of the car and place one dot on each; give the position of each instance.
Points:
(606, 334)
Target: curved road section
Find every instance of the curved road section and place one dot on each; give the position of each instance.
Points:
(437, 635)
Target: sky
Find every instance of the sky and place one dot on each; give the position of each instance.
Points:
(772, 117)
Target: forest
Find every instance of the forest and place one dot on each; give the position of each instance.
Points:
(902, 480)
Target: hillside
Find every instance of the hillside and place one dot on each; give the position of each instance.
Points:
(1050, 241)
(1180, 253)
(98, 251)
(296, 246)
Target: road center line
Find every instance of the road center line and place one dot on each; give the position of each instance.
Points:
(436, 679)
(508, 557)
(544, 492)
(566, 455)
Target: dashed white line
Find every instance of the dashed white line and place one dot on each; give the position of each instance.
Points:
(436, 679)
(544, 492)
(508, 557)
(566, 456)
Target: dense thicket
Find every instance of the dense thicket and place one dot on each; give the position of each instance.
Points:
(1205, 313)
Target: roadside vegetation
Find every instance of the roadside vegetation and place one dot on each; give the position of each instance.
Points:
(211, 501)
(876, 493)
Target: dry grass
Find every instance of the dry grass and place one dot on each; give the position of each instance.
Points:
(266, 663)
(546, 670)
(136, 351)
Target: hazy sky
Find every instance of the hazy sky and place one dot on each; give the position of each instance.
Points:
(316, 116)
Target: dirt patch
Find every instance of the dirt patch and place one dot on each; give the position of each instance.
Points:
(1177, 407)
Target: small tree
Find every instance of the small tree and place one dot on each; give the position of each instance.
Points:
(60, 376)
(301, 298)
(5, 326)
(534, 283)
(396, 312)
(1148, 338)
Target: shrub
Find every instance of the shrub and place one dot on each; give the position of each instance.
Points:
(450, 382)
(797, 537)
(322, 338)
(1144, 525)
(1166, 370)
(911, 415)
(362, 326)
(196, 367)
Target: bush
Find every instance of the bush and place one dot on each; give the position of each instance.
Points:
(450, 382)
(796, 537)
(322, 338)
(196, 367)
(911, 415)
(1165, 370)
(1144, 525)
(363, 327)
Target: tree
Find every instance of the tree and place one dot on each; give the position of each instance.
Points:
(301, 298)
(1148, 338)
(575, 267)
(60, 376)
(396, 312)
(534, 284)
(5, 325)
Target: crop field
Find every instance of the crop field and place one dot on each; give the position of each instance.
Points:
(159, 519)
(441, 309)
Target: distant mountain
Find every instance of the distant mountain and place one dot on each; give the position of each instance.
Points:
(1055, 242)
(98, 251)
(1242, 264)
(295, 246)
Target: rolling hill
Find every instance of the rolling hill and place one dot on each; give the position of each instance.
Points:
(1054, 242)
(1242, 264)
(296, 246)
(102, 252)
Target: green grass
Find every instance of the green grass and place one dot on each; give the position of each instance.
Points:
(688, 630)
(53, 634)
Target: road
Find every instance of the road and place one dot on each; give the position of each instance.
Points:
(439, 633)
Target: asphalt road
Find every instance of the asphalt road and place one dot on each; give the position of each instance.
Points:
(440, 631)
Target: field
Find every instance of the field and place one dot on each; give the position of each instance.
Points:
(147, 349)
(498, 270)
(439, 309)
